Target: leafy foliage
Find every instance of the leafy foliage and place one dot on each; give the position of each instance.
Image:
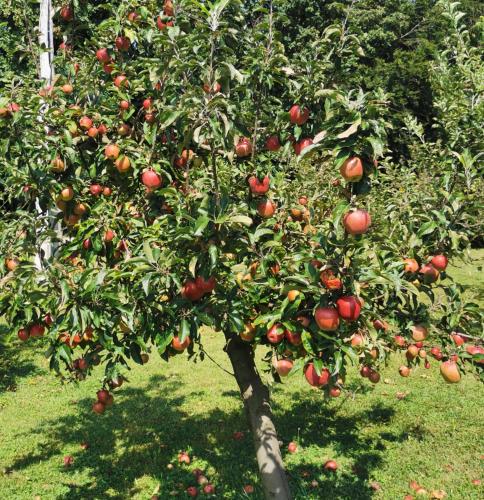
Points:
(189, 100)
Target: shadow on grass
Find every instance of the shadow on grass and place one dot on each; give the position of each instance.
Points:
(15, 363)
(141, 434)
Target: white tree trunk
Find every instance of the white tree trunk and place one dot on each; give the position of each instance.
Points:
(46, 40)
(46, 43)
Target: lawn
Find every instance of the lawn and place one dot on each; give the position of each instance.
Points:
(383, 437)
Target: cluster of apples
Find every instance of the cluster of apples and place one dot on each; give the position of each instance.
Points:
(104, 400)
(449, 368)
(194, 290)
(206, 486)
(297, 116)
(266, 207)
(9, 110)
(33, 331)
(429, 271)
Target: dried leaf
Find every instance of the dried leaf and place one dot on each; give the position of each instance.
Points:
(350, 130)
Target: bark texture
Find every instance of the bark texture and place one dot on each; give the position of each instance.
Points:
(256, 401)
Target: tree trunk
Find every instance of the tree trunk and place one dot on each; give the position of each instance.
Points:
(256, 400)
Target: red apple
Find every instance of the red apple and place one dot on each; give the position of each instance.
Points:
(335, 392)
(121, 81)
(133, 17)
(352, 169)
(293, 338)
(209, 489)
(95, 189)
(111, 151)
(430, 274)
(399, 340)
(243, 148)
(85, 123)
(349, 307)
(272, 143)
(410, 265)
(303, 320)
(330, 465)
(313, 378)
(439, 262)
(329, 280)
(184, 458)
(122, 164)
(275, 334)
(283, 366)
(300, 146)
(191, 291)
(168, 9)
(162, 25)
(151, 179)
(124, 105)
(419, 333)
(357, 340)
(102, 55)
(98, 407)
(124, 129)
(103, 396)
(298, 115)
(266, 208)
(36, 331)
(23, 334)
(292, 447)
(67, 13)
(109, 236)
(357, 222)
(327, 318)
(450, 372)
(379, 324)
(404, 371)
(180, 346)
(122, 43)
(258, 187)
(102, 129)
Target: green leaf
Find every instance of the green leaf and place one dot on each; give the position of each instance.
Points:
(135, 353)
(147, 251)
(184, 330)
(242, 219)
(200, 225)
(193, 264)
(145, 282)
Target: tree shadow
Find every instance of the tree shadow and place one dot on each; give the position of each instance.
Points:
(15, 363)
(140, 435)
(326, 426)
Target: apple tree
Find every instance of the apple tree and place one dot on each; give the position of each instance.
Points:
(181, 172)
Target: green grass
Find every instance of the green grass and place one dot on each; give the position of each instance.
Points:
(433, 435)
